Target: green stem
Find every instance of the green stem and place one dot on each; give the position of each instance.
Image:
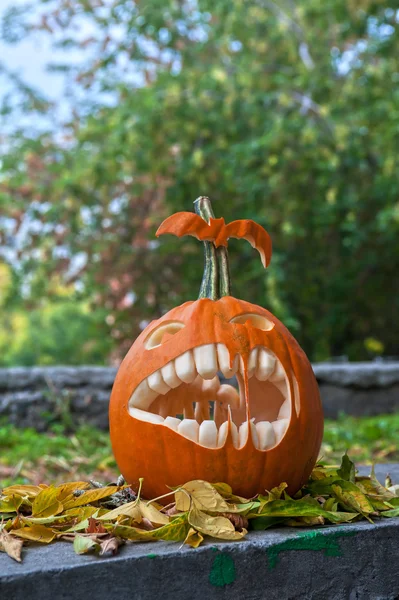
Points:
(216, 279)
(209, 284)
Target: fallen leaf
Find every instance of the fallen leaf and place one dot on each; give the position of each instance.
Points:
(11, 503)
(347, 469)
(203, 495)
(35, 533)
(10, 545)
(66, 489)
(217, 527)
(109, 546)
(130, 509)
(82, 544)
(95, 526)
(90, 496)
(26, 491)
(193, 538)
(46, 504)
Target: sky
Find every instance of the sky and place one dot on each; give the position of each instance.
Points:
(29, 58)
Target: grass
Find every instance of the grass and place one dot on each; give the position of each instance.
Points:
(27, 456)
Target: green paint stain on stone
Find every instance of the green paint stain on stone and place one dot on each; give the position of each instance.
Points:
(310, 540)
(223, 570)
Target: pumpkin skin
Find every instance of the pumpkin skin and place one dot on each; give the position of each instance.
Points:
(165, 458)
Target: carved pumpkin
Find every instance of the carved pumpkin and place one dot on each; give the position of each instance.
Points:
(172, 420)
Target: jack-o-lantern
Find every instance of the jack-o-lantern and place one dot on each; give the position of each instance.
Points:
(171, 418)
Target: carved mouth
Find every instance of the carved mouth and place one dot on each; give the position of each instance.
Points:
(187, 396)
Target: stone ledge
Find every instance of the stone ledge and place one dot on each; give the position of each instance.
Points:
(331, 563)
(353, 561)
(38, 396)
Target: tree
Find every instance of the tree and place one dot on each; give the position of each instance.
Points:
(286, 113)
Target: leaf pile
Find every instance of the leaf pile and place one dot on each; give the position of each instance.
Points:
(100, 518)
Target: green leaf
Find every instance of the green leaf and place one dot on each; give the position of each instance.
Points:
(83, 544)
(347, 470)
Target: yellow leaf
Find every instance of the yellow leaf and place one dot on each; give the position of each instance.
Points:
(36, 533)
(46, 504)
(193, 538)
(203, 495)
(226, 491)
(217, 527)
(130, 509)
(10, 504)
(91, 496)
(131, 533)
(66, 489)
(26, 491)
(10, 545)
(153, 514)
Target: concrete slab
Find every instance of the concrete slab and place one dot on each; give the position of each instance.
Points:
(332, 563)
(347, 562)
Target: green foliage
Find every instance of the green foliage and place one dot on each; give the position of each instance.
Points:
(291, 119)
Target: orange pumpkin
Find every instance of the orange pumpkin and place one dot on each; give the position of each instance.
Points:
(171, 419)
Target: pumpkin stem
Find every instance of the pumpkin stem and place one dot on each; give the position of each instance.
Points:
(216, 279)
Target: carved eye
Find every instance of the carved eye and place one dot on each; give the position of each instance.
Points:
(162, 334)
(255, 320)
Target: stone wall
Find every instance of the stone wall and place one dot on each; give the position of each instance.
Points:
(39, 396)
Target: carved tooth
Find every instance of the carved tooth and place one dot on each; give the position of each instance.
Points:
(170, 376)
(220, 413)
(142, 396)
(266, 364)
(222, 435)
(285, 410)
(252, 362)
(210, 387)
(228, 395)
(280, 427)
(206, 361)
(185, 367)
(224, 361)
(143, 415)
(172, 423)
(201, 411)
(282, 387)
(278, 373)
(189, 428)
(266, 435)
(188, 410)
(156, 383)
(243, 434)
(208, 434)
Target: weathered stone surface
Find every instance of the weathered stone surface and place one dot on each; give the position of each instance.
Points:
(356, 561)
(39, 396)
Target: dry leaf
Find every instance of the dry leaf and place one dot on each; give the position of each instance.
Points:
(203, 495)
(10, 545)
(35, 533)
(217, 527)
(90, 496)
(109, 546)
(95, 526)
(193, 538)
(46, 504)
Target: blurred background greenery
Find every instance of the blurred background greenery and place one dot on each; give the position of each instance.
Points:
(285, 112)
